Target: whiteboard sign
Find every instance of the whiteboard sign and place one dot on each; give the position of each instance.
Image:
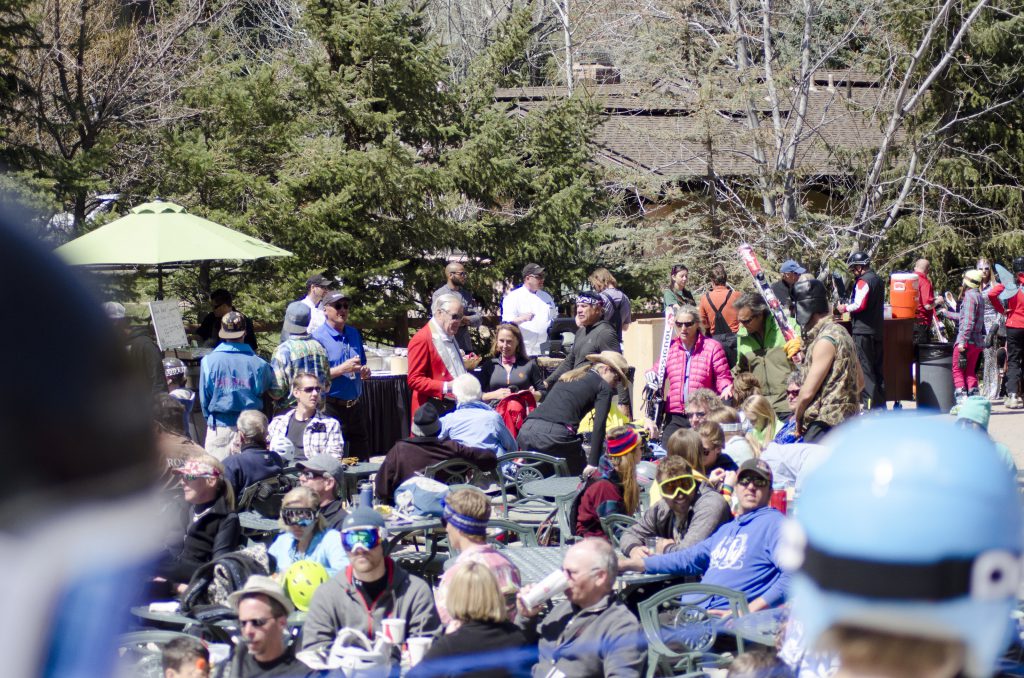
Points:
(170, 330)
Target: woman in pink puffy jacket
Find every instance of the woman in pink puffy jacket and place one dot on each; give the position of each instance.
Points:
(694, 362)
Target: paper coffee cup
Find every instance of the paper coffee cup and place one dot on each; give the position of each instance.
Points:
(545, 589)
(418, 649)
(394, 631)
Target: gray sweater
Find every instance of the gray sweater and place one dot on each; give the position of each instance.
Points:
(337, 604)
(603, 640)
(705, 515)
(598, 337)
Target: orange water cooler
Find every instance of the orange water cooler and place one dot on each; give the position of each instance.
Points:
(903, 295)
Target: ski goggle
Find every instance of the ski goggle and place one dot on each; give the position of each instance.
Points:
(364, 538)
(302, 517)
(671, 488)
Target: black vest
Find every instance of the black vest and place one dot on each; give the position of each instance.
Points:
(871, 319)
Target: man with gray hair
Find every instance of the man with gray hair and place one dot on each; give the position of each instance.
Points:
(474, 423)
(255, 462)
(455, 274)
(592, 632)
(434, 357)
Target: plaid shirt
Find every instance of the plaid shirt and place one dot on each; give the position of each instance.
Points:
(299, 354)
(316, 439)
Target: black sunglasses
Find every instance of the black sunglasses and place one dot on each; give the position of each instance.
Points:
(685, 323)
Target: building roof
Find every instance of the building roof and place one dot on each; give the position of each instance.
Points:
(662, 129)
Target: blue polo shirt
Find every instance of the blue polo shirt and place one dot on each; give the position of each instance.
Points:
(342, 346)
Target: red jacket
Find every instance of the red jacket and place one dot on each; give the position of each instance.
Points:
(710, 369)
(1014, 310)
(427, 372)
(925, 297)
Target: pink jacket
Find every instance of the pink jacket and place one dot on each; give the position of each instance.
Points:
(710, 369)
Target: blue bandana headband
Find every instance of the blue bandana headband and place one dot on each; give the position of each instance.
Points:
(464, 523)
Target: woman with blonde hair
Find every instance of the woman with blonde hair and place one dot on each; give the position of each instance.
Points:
(616, 490)
(551, 428)
(484, 643)
(762, 418)
(737, 447)
(305, 534)
(209, 520)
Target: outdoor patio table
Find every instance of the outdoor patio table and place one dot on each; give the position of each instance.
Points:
(351, 475)
(552, 487)
(251, 520)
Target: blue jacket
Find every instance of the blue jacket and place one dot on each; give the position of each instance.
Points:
(251, 466)
(477, 425)
(232, 379)
(325, 548)
(739, 555)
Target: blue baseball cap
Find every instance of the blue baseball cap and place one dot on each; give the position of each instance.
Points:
(790, 266)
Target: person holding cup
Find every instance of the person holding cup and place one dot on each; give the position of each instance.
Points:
(371, 589)
(689, 511)
(485, 644)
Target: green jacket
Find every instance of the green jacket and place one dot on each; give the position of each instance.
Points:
(767, 361)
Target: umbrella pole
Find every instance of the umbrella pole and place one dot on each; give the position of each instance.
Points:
(159, 282)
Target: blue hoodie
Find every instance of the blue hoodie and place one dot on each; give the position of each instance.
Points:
(739, 555)
(232, 379)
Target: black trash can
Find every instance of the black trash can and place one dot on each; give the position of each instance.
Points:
(935, 377)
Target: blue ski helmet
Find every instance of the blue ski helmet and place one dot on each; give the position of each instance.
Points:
(911, 526)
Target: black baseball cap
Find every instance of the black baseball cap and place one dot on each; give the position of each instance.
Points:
(318, 280)
(533, 269)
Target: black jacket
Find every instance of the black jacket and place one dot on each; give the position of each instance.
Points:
(253, 464)
(334, 514)
(871, 320)
(146, 360)
(478, 650)
(215, 533)
(598, 337)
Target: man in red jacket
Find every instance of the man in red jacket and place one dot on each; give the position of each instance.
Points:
(1014, 312)
(434, 357)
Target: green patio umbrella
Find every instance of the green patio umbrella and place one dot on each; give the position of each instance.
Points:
(160, 233)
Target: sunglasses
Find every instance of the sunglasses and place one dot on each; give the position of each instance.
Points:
(671, 488)
(311, 389)
(455, 316)
(255, 623)
(366, 539)
(301, 517)
(756, 481)
(311, 475)
(685, 323)
(746, 321)
(793, 392)
(341, 305)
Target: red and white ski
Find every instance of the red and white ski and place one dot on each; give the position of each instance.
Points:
(654, 390)
(746, 253)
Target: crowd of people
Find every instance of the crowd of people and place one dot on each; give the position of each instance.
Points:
(744, 410)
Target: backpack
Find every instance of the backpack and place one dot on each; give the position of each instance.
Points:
(726, 337)
(265, 496)
(208, 590)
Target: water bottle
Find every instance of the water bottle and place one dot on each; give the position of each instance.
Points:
(366, 495)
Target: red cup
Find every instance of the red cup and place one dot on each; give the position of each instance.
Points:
(779, 500)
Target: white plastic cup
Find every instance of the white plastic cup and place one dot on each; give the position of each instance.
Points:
(418, 649)
(394, 631)
(545, 589)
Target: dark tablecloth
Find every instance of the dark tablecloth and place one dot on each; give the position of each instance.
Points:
(387, 411)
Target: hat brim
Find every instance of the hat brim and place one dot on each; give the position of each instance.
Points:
(235, 598)
(596, 358)
(224, 334)
(292, 328)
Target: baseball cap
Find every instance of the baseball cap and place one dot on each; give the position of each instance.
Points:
(318, 280)
(533, 269)
(790, 266)
(334, 297)
(758, 467)
(114, 310)
(199, 469)
(232, 326)
(262, 585)
(296, 318)
(322, 463)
